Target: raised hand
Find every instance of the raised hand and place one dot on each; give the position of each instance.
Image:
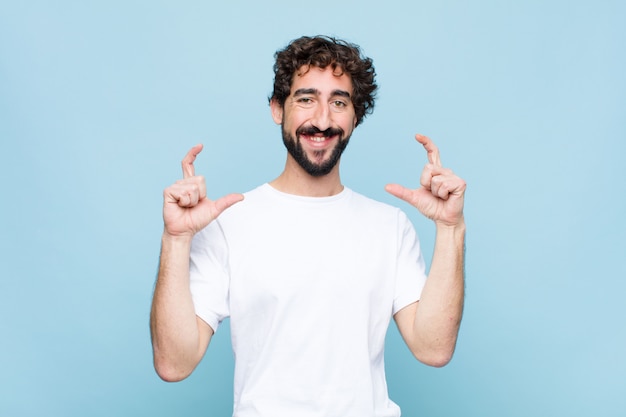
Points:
(186, 208)
(441, 195)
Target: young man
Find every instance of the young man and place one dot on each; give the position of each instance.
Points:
(309, 272)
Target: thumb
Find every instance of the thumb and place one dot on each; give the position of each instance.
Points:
(226, 201)
(400, 192)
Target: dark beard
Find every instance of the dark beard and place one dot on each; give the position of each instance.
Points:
(294, 147)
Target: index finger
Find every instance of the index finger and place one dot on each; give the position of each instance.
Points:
(431, 149)
(188, 168)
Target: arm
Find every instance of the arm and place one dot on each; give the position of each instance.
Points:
(179, 337)
(430, 326)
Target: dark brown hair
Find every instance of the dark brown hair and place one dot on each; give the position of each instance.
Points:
(324, 51)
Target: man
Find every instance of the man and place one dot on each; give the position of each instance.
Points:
(309, 272)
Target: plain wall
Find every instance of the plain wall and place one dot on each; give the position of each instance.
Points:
(99, 101)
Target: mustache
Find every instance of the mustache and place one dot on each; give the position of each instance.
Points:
(312, 130)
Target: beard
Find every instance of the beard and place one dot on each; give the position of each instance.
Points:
(315, 169)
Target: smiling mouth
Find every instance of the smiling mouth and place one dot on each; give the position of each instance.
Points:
(315, 135)
(316, 139)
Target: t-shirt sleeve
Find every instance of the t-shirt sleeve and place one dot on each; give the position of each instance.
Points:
(411, 268)
(209, 275)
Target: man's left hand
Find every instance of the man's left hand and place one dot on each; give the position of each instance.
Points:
(441, 195)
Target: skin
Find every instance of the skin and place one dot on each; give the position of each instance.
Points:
(430, 326)
(319, 98)
(179, 337)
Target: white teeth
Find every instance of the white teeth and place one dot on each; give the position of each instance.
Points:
(318, 139)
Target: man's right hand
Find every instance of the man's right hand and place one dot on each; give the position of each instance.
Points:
(186, 208)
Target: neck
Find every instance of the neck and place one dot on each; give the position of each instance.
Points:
(294, 180)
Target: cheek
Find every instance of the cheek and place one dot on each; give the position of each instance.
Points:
(348, 123)
(297, 119)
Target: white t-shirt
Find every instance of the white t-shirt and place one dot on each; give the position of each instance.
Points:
(310, 285)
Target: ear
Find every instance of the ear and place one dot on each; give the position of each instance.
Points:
(277, 111)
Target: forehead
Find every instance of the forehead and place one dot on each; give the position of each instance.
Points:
(325, 80)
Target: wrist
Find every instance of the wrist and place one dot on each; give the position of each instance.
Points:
(176, 239)
(446, 227)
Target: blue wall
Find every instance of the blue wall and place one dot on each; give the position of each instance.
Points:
(527, 101)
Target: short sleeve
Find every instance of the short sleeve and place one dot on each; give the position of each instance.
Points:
(410, 267)
(209, 276)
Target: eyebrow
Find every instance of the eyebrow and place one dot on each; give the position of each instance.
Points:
(315, 91)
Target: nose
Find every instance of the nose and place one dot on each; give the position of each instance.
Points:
(322, 116)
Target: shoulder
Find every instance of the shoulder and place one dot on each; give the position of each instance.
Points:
(363, 202)
(251, 198)
(377, 212)
(255, 204)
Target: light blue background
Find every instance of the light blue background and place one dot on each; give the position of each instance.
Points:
(99, 101)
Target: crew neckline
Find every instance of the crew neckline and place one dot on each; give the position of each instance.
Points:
(294, 197)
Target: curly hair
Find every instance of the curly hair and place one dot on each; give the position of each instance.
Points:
(324, 51)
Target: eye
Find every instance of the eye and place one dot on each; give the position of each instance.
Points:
(339, 103)
(305, 100)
